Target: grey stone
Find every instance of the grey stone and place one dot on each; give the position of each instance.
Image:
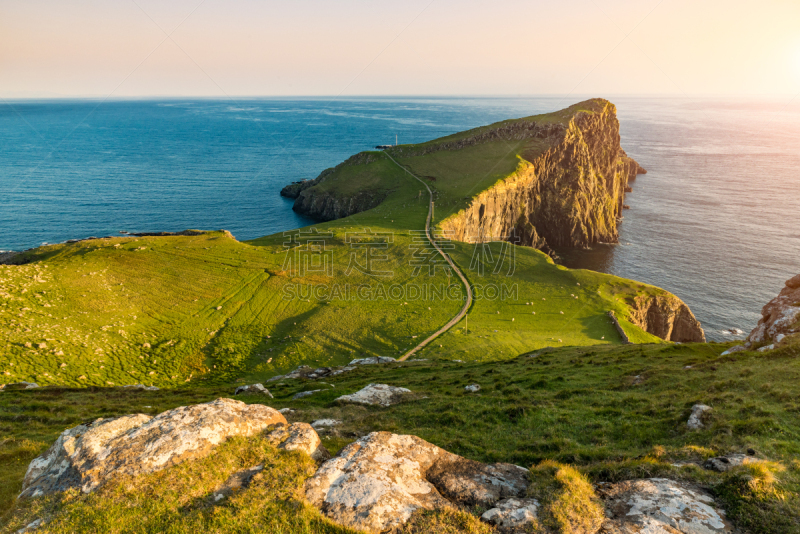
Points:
(324, 423)
(472, 388)
(19, 385)
(304, 394)
(723, 463)
(373, 360)
(253, 389)
(376, 394)
(695, 421)
(512, 513)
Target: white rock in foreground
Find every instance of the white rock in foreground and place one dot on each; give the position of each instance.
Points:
(377, 482)
(512, 513)
(376, 394)
(86, 456)
(660, 506)
(695, 421)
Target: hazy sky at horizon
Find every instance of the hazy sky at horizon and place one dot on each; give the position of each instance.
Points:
(127, 48)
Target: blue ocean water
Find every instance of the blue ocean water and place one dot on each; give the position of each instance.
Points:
(714, 220)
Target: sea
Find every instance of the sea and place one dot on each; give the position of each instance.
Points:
(716, 219)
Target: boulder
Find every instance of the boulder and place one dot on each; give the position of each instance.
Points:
(373, 360)
(378, 481)
(299, 437)
(781, 315)
(695, 421)
(472, 388)
(659, 505)
(253, 389)
(512, 513)
(376, 394)
(88, 455)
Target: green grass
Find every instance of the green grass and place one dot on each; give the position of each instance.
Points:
(578, 406)
(132, 310)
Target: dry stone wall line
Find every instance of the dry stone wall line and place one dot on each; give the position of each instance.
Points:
(450, 262)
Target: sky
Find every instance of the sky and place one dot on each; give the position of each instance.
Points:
(216, 48)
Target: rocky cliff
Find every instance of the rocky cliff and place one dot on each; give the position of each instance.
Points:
(569, 195)
(313, 199)
(780, 317)
(667, 317)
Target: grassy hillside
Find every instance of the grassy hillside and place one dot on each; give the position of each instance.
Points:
(580, 406)
(170, 310)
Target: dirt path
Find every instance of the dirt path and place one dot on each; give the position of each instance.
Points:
(468, 302)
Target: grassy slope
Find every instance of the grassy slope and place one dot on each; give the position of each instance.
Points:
(95, 304)
(573, 405)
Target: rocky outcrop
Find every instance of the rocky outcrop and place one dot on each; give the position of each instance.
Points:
(88, 455)
(314, 200)
(376, 395)
(780, 318)
(666, 316)
(377, 482)
(658, 505)
(304, 371)
(569, 195)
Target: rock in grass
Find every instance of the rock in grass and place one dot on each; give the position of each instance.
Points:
(472, 388)
(87, 456)
(324, 423)
(142, 386)
(20, 385)
(253, 389)
(723, 463)
(376, 394)
(299, 437)
(695, 421)
(659, 505)
(734, 349)
(373, 360)
(512, 513)
(304, 394)
(377, 482)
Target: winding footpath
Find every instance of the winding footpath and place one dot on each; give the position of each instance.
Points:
(450, 262)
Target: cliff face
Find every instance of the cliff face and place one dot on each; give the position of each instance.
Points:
(314, 200)
(571, 195)
(780, 317)
(667, 317)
